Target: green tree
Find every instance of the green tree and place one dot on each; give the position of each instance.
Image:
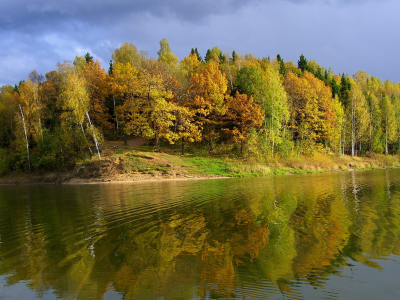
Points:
(196, 52)
(358, 115)
(88, 57)
(388, 122)
(302, 64)
(335, 89)
(275, 108)
(128, 53)
(166, 56)
(214, 54)
(282, 67)
(345, 87)
(375, 124)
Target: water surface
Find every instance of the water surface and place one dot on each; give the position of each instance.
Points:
(324, 236)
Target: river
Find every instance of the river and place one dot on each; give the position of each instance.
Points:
(314, 236)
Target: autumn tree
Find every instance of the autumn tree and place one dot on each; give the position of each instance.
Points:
(185, 127)
(98, 86)
(196, 52)
(125, 84)
(229, 68)
(29, 99)
(206, 97)
(151, 112)
(75, 100)
(187, 67)
(7, 112)
(166, 56)
(374, 125)
(214, 54)
(275, 106)
(312, 114)
(242, 114)
(358, 115)
(128, 53)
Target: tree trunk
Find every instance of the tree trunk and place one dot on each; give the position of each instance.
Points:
(158, 144)
(98, 148)
(125, 139)
(352, 135)
(116, 119)
(26, 138)
(386, 135)
(84, 135)
(183, 147)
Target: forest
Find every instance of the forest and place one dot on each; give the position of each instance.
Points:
(261, 108)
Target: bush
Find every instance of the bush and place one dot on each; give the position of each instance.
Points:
(6, 161)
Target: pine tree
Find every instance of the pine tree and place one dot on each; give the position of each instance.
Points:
(110, 68)
(198, 55)
(282, 67)
(233, 56)
(335, 89)
(302, 63)
(345, 87)
(88, 57)
(195, 51)
(326, 78)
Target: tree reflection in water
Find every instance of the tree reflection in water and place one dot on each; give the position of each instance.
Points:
(182, 240)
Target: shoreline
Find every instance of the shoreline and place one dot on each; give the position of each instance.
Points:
(100, 181)
(141, 164)
(27, 179)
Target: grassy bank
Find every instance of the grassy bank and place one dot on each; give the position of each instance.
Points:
(128, 163)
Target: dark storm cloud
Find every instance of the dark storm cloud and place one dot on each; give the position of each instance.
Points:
(24, 13)
(347, 35)
(48, 14)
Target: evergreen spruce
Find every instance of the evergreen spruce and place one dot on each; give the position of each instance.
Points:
(88, 57)
(335, 89)
(110, 69)
(194, 51)
(326, 77)
(302, 63)
(233, 56)
(345, 87)
(282, 67)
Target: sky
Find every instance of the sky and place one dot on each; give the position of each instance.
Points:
(346, 35)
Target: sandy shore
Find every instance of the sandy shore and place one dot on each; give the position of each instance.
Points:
(66, 178)
(78, 181)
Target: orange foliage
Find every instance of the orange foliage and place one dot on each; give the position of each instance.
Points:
(242, 115)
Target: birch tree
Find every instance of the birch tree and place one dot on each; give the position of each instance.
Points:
(388, 122)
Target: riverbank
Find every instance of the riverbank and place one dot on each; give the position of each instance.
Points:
(138, 162)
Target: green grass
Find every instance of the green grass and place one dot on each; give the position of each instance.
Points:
(225, 167)
(198, 160)
(207, 165)
(136, 163)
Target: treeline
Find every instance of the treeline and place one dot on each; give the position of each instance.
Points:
(261, 107)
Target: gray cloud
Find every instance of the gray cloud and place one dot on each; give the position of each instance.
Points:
(26, 14)
(347, 35)
(22, 13)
